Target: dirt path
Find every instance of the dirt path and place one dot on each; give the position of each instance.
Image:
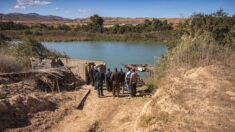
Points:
(106, 114)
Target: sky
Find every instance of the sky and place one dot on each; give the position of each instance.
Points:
(117, 8)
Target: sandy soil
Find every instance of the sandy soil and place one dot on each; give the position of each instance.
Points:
(103, 114)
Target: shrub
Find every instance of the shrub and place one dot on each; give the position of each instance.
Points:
(32, 48)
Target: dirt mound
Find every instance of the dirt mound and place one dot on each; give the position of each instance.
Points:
(16, 111)
(37, 111)
(200, 99)
(25, 106)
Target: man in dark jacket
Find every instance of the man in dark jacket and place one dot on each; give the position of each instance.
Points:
(91, 75)
(95, 79)
(99, 79)
(122, 80)
(108, 81)
(115, 78)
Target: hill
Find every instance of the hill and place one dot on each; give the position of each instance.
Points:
(37, 18)
(30, 17)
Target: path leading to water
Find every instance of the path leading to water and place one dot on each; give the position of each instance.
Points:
(107, 114)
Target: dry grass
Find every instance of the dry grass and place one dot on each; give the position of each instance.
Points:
(200, 51)
(151, 119)
(9, 64)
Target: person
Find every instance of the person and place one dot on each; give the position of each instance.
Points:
(87, 75)
(91, 75)
(115, 78)
(56, 62)
(99, 79)
(122, 80)
(107, 80)
(59, 62)
(94, 79)
(53, 62)
(133, 82)
(127, 79)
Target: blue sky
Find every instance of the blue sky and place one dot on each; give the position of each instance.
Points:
(117, 8)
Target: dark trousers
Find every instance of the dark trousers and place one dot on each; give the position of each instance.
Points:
(116, 89)
(133, 89)
(100, 89)
(122, 86)
(92, 81)
(109, 85)
(96, 85)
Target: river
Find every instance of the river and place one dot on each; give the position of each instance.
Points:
(113, 53)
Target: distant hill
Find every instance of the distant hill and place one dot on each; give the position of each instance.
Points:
(37, 18)
(33, 17)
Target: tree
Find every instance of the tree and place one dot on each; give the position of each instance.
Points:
(96, 23)
(220, 13)
(97, 20)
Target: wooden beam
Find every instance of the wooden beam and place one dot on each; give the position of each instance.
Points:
(83, 99)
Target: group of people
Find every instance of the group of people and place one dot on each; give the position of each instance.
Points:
(115, 81)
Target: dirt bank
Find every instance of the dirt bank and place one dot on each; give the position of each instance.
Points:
(199, 99)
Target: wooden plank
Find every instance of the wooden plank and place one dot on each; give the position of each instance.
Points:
(83, 99)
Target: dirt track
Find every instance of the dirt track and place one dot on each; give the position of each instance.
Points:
(35, 112)
(103, 114)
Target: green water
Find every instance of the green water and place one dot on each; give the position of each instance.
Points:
(113, 53)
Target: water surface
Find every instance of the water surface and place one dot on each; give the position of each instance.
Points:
(113, 53)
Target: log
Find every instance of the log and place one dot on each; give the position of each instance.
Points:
(83, 99)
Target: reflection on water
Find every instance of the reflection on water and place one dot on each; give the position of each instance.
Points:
(113, 53)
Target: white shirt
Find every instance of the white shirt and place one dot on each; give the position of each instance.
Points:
(127, 74)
